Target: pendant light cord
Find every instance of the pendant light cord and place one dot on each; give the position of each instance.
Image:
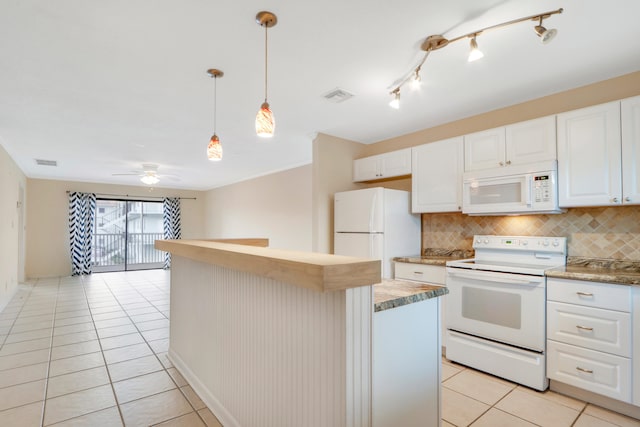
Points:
(215, 102)
(266, 54)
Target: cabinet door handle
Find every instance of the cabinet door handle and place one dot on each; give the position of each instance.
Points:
(588, 371)
(627, 199)
(584, 294)
(614, 200)
(584, 328)
(501, 163)
(508, 162)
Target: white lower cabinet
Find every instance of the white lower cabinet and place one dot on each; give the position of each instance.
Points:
(432, 274)
(406, 366)
(589, 336)
(595, 371)
(636, 345)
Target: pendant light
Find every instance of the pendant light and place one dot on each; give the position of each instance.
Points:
(214, 150)
(265, 122)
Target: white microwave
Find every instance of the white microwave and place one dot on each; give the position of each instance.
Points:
(512, 190)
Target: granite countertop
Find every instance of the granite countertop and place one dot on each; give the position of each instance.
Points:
(436, 256)
(393, 293)
(598, 270)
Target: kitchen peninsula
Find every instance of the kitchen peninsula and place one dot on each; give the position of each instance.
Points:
(269, 337)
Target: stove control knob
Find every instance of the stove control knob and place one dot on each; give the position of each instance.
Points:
(478, 240)
(486, 241)
(556, 243)
(545, 243)
(525, 242)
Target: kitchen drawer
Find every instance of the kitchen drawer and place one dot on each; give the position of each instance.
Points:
(591, 294)
(434, 274)
(592, 328)
(590, 370)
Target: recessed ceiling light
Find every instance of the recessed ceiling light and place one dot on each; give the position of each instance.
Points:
(42, 162)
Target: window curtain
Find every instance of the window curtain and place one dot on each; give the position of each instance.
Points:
(82, 215)
(171, 222)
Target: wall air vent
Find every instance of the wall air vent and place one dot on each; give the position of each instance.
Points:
(338, 95)
(42, 162)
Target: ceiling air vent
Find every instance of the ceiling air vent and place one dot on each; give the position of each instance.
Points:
(338, 95)
(42, 162)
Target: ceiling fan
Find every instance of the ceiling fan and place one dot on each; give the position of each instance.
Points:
(148, 175)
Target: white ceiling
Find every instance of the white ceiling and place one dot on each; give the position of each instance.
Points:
(103, 87)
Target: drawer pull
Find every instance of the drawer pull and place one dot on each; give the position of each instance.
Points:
(584, 328)
(587, 371)
(417, 272)
(584, 294)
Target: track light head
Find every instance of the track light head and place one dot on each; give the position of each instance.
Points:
(545, 35)
(395, 102)
(474, 53)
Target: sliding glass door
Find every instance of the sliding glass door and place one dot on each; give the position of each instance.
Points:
(124, 235)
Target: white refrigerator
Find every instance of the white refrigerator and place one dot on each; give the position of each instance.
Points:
(376, 223)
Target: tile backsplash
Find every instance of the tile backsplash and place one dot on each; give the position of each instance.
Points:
(608, 232)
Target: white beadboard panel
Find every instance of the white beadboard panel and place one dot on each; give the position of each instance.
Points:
(359, 353)
(264, 353)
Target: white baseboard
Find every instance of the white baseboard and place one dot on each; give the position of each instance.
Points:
(221, 413)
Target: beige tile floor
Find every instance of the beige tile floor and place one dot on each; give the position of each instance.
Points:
(473, 398)
(92, 352)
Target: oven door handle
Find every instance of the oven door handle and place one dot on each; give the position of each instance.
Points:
(488, 277)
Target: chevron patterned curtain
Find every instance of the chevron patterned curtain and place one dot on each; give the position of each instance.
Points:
(82, 214)
(171, 220)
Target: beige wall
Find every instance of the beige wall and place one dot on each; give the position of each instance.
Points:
(332, 172)
(48, 219)
(275, 206)
(12, 183)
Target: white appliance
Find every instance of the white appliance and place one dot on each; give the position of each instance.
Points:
(519, 189)
(375, 223)
(496, 308)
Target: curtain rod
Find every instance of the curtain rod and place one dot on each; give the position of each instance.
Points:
(148, 197)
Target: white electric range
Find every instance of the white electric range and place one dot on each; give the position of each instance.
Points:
(496, 308)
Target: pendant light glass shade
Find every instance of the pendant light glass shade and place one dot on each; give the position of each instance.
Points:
(214, 150)
(265, 122)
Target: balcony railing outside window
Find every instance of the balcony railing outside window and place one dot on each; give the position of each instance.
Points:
(124, 235)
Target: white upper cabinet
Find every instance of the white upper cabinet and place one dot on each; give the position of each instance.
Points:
(531, 141)
(589, 156)
(436, 181)
(484, 150)
(520, 143)
(387, 165)
(631, 151)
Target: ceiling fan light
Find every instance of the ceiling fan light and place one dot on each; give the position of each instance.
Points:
(149, 179)
(214, 149)
(545, 35)
(474, 53)
(265, 122)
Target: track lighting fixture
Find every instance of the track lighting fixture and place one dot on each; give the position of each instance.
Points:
(395, 102)
(436, 42)
(265, 122)
(214, 149)
(545, 35)
(474, 53)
